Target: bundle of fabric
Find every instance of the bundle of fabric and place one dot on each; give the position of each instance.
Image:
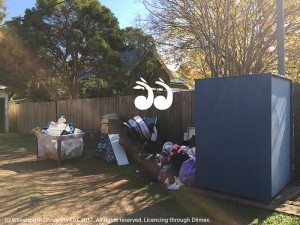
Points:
(171, 160)
(169, 176)
(164, 155)
(179, 155)
(173, 154)
(60, 127)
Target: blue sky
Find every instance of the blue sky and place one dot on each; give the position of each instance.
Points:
(124, 10)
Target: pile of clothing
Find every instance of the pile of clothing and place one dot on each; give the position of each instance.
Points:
(177, 165)
(60, 127)
(71, 146)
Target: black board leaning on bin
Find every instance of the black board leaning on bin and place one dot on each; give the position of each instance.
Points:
(243, 135)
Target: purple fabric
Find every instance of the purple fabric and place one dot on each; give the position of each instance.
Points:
(187, 172)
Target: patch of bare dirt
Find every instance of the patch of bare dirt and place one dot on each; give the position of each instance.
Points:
(88, 191)
(81, 191)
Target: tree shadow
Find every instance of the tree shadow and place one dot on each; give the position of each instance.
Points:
(30, 166)
(92, 189)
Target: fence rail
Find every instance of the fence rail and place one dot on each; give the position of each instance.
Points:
(87, 113)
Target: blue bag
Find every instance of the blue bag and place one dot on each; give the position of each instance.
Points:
(109, 155)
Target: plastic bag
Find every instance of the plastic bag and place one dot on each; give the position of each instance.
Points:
(109, 155)
(187, 172)
(71, 146)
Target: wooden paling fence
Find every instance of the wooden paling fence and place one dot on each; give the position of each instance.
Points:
(86, 114)
(173, 122)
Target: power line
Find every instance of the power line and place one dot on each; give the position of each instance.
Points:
(38, 11)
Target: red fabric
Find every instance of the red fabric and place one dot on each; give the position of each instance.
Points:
(175, 150)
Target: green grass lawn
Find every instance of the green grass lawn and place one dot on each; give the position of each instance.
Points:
(142, 199)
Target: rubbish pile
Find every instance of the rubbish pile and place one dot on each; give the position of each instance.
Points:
(139, 136)
(137, 141)
(60, 127)
(133, 139)
(173, 165)
(108, 148)
(177, 165)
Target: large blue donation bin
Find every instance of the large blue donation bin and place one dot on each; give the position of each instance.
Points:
(243, 128)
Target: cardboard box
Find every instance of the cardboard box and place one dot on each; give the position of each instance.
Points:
(110, 124)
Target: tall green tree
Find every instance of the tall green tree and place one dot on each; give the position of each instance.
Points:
(2, 10)
(2, 14)
(292, 41)
(139, 60)
(73, 38)
(137, 39)
(147, 63)
(212, 38)
(23, 73)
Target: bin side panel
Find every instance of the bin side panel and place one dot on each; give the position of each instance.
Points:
(71, 148)
(281, 131)
(233, 130)
(47, 146)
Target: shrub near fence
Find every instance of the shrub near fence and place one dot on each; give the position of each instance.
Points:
(87, 113)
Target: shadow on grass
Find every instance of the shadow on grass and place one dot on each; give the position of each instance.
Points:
(16, 146)
(30, 166)
(91, 188)
(189, 206)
